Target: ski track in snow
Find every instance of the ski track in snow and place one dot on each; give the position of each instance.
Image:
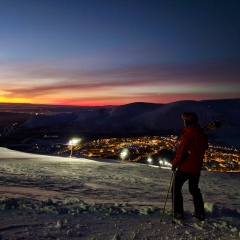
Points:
(43, 197)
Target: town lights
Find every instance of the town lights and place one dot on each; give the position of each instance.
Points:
(73, 142)
(123, 154)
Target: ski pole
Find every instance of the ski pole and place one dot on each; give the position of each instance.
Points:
(173, 197)
(170, 183)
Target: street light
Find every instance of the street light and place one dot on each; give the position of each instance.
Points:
(123, 154)
(164, 163)
(73, 143)
(149, 160)
(161, 162)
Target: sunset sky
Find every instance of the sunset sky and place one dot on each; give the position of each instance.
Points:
(109, 52)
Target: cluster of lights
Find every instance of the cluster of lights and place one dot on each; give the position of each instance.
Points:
(162, 162)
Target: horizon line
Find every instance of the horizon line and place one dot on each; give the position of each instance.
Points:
(66, 105)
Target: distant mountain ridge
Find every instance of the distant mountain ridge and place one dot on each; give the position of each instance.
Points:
(146, 118)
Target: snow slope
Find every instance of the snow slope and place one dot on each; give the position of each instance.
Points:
(43, 197)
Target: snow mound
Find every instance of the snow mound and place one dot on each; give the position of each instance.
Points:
(213, 209)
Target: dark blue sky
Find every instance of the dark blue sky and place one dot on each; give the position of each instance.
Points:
(116, 52)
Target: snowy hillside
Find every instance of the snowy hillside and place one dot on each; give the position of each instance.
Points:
(46, 197)
(148, 118)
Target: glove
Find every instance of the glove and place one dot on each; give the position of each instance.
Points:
(174, 168)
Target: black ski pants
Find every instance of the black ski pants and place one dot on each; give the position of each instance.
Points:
(193, 180)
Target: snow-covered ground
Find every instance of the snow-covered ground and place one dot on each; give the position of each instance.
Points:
(45, 197)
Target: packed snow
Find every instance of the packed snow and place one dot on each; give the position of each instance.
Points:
(46, 197)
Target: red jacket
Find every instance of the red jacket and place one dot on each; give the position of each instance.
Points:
(191, 149)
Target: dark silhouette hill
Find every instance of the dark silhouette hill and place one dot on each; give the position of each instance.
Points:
(146, 118)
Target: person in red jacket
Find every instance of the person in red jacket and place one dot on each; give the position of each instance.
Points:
(187, 165)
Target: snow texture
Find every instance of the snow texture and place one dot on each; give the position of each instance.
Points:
(46, 197)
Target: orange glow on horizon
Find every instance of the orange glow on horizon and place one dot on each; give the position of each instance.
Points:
(111, 101)
(14, 100)
(58, 102)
